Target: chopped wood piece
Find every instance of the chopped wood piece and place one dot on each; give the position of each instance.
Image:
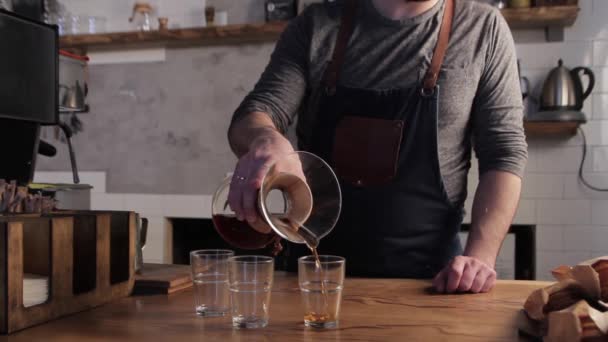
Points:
(589, 279)
(553, 298)
(601, 267)
(579, 322)
(562, 272)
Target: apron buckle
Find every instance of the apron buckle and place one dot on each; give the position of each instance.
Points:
(427, 92)
(330, 90)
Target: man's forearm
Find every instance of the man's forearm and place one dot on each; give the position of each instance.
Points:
(494, 206)
(256, 125)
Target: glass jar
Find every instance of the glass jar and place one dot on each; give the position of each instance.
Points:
(141, 18)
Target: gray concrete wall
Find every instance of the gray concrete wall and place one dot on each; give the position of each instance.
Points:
(161, 127)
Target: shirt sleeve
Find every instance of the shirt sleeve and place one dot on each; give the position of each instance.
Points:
(498, 133)
(282, 86)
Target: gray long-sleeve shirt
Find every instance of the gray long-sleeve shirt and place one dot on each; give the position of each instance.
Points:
(480, 99)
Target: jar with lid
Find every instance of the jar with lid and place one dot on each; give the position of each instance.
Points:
(141, 17)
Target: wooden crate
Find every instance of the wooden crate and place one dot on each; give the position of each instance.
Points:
(87, 256)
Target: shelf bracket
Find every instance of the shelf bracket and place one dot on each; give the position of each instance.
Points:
(554, 33)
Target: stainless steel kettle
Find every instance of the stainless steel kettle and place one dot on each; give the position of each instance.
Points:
(563, 89)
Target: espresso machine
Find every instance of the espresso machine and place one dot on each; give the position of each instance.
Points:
(30, 98)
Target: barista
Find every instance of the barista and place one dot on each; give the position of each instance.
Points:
(394, 95)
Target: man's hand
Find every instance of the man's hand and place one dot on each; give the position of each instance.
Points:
(465, 274)
(263, 152)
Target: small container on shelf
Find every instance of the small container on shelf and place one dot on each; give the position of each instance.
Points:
(210, 15)
(141, 17)
(94, 25)
(163, 24)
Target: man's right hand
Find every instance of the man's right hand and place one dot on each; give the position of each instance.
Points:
(250, 170)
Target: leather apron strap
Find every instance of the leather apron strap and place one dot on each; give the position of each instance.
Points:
(347, 25)
(430, 79)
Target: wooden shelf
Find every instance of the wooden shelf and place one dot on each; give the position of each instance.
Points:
(551, 128)
(553, 18)
(540, 17)
(216, 35)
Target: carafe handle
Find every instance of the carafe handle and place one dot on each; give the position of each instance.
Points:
(590, 75)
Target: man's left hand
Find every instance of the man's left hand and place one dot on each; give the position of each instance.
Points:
(465, 274)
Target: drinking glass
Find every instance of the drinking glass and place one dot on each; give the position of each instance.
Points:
(250, 286)
(321, 284)
(210, 277)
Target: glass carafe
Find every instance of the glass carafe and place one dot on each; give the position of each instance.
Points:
(299, 200)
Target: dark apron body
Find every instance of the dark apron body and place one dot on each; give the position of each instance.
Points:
(396, 220)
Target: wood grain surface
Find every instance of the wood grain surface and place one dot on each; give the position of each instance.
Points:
(549, 128)
(536, 17)
(372, 310)
(199, 36)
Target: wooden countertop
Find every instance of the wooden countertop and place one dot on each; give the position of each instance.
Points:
(372, 310)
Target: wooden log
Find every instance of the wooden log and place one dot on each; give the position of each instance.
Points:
(553, 298)
(579, 322)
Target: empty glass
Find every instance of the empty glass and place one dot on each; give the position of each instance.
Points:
(321, 287)
(250, 287)
(210, 277)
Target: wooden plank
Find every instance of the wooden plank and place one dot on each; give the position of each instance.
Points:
(539, 17)
(84, 254)
(219, 35)
(63, 265)
(3, 277)
(15, 275)
(103, 251)
(162, 278)
(372, 310)
(551, 128)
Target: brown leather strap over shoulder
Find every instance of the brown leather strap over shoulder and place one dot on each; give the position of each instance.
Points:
(347, 25)
(430, 79)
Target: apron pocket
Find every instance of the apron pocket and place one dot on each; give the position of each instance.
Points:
(366, 150)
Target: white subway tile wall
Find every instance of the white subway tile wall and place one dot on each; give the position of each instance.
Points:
(571, 52)
(564, 212)
(601, 78)
(550, 238)
(600, 101)
(155, 239)
(543, 186)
